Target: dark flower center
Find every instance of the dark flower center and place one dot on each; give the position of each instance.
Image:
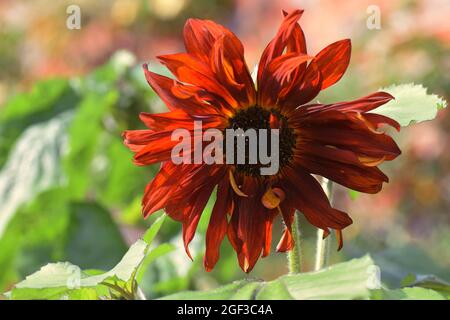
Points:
(256, 118)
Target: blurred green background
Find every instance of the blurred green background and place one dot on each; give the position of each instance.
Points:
(69, 190)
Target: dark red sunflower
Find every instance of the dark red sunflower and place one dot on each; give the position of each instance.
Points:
(338, 141)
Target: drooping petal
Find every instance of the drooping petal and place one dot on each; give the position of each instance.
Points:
(286, 242)
(218, 224)
(310, 199)
(193, 191)
(347, 131)
(362, 105)
(333, 61)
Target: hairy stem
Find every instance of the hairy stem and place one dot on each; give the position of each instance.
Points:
(323, 245)
(294, 255)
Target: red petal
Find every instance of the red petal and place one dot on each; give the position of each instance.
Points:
(160, 189)
(276, 47)
(189, 69)
(178, 96)
(296, 43)
(228, 64)
(308, 197)
(218, 224)
(362, 105)
(279, 78)
(178, 119)
(286, 242)
(333, 61)
(200, 35)
(307, 90)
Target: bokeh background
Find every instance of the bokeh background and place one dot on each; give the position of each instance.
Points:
(68, 188)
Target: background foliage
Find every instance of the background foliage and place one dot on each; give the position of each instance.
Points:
(68, 189)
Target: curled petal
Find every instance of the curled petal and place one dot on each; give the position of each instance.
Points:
(200, 36)
(280, 77)
(276, 47)
(229, 65)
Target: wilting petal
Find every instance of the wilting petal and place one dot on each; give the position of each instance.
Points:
(200, 35)
(286, 242)
(362, 105)
(310, 199)
(218, 224)
(347, 131)
(252, 222)
(228, 64)
(368, 179)
(333, 62)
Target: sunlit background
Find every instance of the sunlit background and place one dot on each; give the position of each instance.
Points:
(68, 188)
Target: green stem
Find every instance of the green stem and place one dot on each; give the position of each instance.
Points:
(323, 245)
(294, 255)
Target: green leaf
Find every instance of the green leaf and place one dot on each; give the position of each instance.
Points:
(159, 251)
(154, 229)
(93, 239)
(348, 280)
(412, 104)
(84, 134)
(33, 165)
(428, 282)
(415, 293)
(64, 280)
(42, 96)
(243, 289)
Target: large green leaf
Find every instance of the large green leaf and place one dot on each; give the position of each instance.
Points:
(238, 290)
(348, 280)
(412, 104)
(61, 280)
(415, 293)
(33, 165)
(64, 280)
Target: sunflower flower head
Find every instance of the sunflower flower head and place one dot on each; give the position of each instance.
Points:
(212, 84)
